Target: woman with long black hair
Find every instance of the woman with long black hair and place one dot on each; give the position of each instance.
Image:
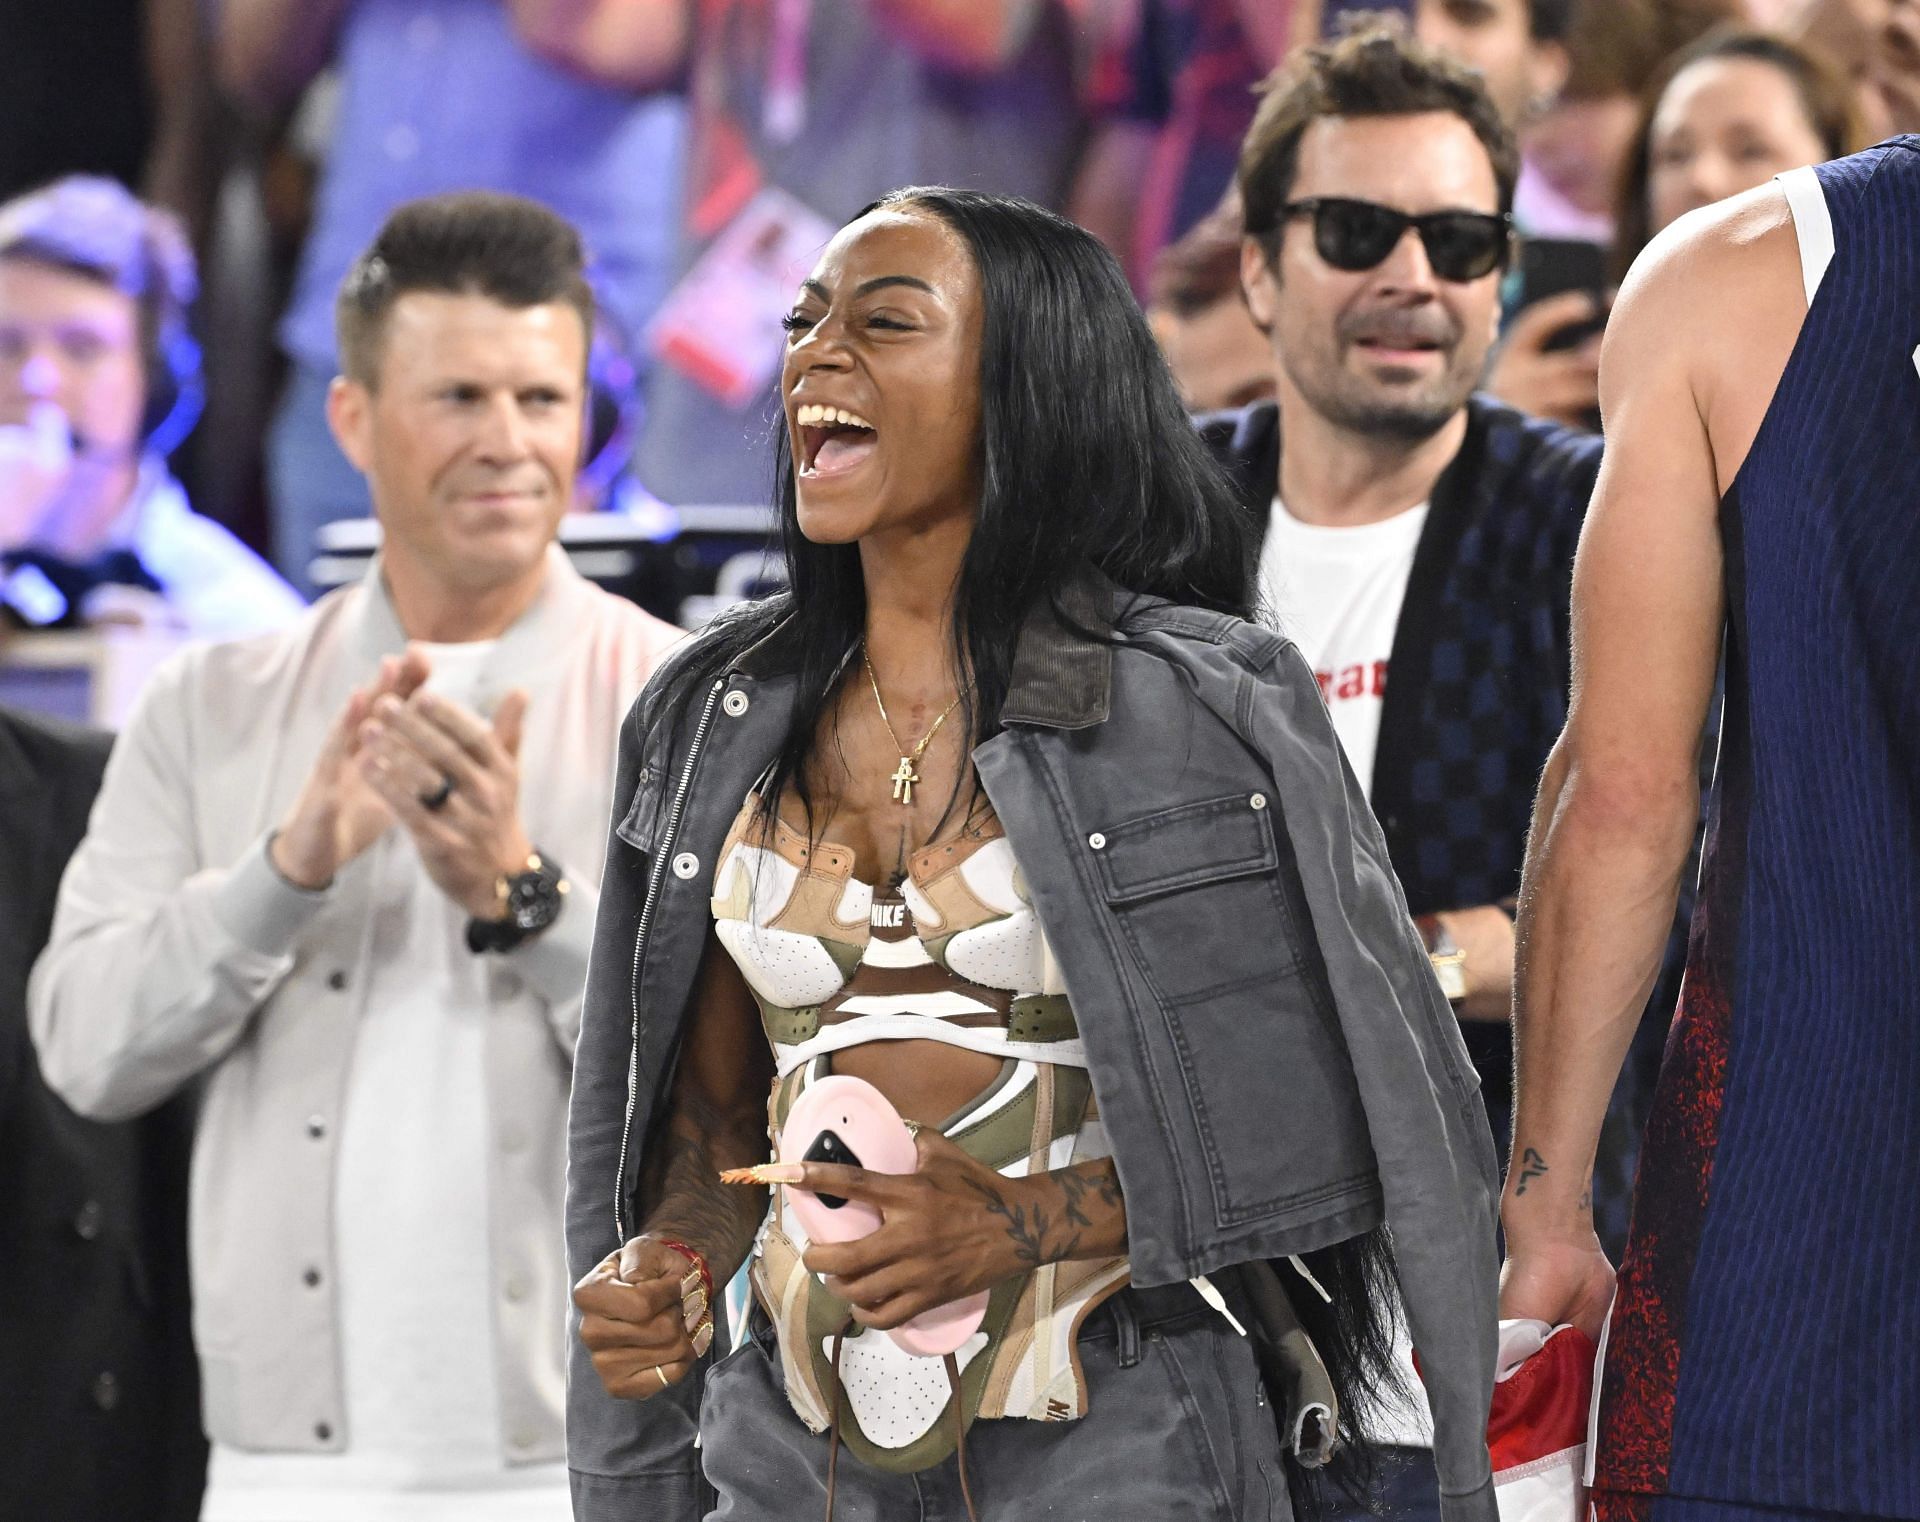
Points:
(1006, 809)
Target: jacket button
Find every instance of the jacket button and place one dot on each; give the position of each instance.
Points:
(516, 1289)
(336, 980)
(323, 1431)
(1257, 801)
(106, 1391)
(1097, 841)
(316, 1126)
(685, 865)
(1390, 822)
(735, 703)
(311, 1278)
(87, 1219)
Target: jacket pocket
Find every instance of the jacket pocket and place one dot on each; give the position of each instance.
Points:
(1196, 888)
(641, 822)
(1219, 932)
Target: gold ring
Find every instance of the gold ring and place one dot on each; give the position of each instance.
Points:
(661, 1370)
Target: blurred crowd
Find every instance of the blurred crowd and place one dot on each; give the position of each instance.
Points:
(198, 200)
(703, 149)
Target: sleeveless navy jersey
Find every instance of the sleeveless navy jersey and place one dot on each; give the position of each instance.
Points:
(1765, 1345)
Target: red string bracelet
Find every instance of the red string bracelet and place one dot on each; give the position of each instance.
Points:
(697, 1258)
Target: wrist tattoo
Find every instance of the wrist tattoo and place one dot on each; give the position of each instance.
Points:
(1090, 1211)
(1028, 1230)
(1532, 1166)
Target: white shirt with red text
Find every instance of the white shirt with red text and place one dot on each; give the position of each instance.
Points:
(1336, 593)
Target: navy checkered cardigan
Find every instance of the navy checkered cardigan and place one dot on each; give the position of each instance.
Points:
(1479, 676)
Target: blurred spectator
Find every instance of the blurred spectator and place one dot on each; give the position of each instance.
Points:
(98, 381)
(1578, 142)
(342, 879)
(1418, 540)
(541, 98)
(1876, 43)
(1218, 356)
(1174, 118)
(1896, 75)
(1726, 115)
(1519, 46)
(99, 1397)
(803, 112)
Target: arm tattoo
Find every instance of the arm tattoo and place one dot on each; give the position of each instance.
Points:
(1027, 1230)
(1090, 1220)
(692, 1204)
(1532, 1166)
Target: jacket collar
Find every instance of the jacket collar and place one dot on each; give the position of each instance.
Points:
(555, 616)
(1061, 679)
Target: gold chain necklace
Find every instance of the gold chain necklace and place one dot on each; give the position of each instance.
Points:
(904, 776)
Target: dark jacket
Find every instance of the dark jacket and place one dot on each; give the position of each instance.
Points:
(1480, 671)
(1275, 1066)
(99, 1395)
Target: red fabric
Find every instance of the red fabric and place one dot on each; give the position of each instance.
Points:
(1541, 1407)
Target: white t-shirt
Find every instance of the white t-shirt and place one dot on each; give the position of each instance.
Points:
(1337, 594)
(410, 1232)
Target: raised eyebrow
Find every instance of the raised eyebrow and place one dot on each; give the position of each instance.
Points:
(868, 287)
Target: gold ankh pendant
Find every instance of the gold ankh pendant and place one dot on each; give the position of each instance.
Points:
(903, 780)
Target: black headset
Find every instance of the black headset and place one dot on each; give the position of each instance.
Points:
(613, 405)
(176, 385)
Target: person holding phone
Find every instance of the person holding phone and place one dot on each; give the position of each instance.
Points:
(1008, 809)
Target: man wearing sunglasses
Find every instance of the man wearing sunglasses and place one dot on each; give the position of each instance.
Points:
(1418, 539)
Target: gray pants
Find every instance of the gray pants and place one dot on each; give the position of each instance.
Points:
(1177, 1430)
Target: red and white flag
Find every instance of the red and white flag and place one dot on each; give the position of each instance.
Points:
(1537, 1433)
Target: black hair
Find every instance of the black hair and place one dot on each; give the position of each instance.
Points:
(507, 248)
(1086, 458)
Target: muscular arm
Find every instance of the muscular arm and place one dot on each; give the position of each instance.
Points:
(975, 36)
(1617, 804)
(716, 1119)
(624, 44)
(267, 51)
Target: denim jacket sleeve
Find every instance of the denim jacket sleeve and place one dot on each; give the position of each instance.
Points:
(626, 1458)
(1430, 1138)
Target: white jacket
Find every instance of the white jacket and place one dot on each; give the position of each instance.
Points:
(177, 951)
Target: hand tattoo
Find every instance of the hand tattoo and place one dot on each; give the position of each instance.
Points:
(1532, 1166)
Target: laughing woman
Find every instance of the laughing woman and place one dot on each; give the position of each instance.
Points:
(1008, 811)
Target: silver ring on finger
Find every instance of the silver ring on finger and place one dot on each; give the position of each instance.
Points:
(661, 1370)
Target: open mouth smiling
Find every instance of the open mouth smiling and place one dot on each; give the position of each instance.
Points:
(833, 441)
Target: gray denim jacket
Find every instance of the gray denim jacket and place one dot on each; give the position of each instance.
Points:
(1275, 1064)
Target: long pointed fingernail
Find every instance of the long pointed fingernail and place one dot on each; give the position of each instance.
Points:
(765, 1173)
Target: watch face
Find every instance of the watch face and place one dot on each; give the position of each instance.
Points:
(533, 900)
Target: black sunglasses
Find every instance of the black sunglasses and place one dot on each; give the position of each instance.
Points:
(1357, 235)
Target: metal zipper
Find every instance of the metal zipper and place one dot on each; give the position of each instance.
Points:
(654, 879)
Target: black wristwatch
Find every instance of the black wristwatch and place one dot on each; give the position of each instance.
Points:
(529, 902)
